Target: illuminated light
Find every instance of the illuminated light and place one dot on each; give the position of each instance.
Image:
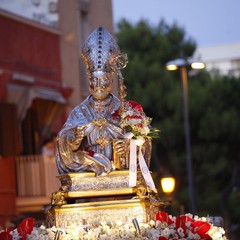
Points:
(168, 184)
(197, 65)
(171, 67)
(184, 63)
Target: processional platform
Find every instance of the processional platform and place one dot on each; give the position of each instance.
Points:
(83, 198)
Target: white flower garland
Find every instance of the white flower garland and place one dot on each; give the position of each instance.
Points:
(104, 230)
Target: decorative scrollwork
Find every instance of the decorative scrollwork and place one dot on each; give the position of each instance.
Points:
(58, 198)
(141, 191)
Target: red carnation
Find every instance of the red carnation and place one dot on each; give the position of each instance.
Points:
(135, 105)
(116, 113)
(134, 117)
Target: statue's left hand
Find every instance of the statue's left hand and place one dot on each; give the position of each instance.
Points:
(121, 145)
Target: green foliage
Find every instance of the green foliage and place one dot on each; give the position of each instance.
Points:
(214, 112)
(148, 82)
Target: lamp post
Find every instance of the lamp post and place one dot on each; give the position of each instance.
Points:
(183, 65)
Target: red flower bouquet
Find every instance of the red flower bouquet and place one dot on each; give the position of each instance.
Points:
(133, 120)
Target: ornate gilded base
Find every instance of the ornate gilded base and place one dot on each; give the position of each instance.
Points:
(87, 185)
(113, 211)
(84, 198)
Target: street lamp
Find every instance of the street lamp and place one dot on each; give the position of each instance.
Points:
(183, 65)
(168, 184)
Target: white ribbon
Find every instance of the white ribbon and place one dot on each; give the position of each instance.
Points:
(142, 163)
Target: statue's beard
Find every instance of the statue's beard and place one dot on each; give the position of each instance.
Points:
(100, 93)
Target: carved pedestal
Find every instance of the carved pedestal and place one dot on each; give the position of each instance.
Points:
(84, 198)
(113, 211)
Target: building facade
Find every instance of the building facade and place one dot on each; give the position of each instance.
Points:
(221, 59)
(42, 78)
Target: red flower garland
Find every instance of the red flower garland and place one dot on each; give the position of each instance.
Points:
(185, 223)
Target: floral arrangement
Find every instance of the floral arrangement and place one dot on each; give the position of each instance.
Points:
(165, 227)
(133, 120)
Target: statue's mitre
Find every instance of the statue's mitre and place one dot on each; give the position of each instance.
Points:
(101, 52)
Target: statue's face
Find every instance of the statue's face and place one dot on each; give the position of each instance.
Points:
(100, 84)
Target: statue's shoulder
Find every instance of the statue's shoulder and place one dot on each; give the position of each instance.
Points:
(81, 111)
(85, 104)
(115, 98)
(115, 101)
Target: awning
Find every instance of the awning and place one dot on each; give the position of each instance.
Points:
(23, 96)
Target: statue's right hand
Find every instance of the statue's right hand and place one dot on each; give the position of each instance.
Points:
(76, 139)
(83, 130)
(79, 132)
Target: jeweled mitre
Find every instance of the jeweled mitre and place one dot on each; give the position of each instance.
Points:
(101, 52)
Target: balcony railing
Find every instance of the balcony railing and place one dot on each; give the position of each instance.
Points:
(36, 180)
